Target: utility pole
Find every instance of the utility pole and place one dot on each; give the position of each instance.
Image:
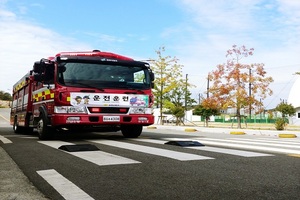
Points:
(207, 91)
(185, 98)
(199, 96)
(250, 107)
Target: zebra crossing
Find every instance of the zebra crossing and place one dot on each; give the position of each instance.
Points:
(241, 147)
(156, 147)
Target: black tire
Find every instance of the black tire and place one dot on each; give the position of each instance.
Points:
(131, 131)
(43, 130)
(16, 128)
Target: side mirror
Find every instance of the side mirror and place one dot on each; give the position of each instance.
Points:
(38, 77)
(152, 85)
(152, 77)
(37, 67)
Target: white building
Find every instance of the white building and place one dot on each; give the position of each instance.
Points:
(294, 99)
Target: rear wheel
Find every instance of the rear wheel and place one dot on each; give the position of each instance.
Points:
(43, 130)
(131, 131)
(16, 128)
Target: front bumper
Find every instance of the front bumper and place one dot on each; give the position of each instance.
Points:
(94, 120)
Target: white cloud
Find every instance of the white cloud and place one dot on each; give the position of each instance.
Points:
(23, 43)
(270, 27)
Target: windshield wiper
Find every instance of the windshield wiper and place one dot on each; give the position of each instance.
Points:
(137, 91)
(88, 86)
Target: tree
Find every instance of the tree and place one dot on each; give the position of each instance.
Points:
(5, 96)
(167, 71)
(286, 109)
(177, 98)
(206, 109)
(177, 110)
(232, 80)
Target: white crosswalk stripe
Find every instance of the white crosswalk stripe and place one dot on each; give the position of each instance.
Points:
(206, 148)
(5, 140)
(152, 150)
(98, 157)
(272, 141)
(63, 186)
(255, 142)
(252, 145)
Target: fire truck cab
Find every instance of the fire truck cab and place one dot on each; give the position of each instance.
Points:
(82, 90)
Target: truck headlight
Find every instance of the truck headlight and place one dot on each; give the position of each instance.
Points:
(140, 110)
(70, 109)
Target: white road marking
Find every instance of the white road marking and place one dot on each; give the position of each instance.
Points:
(231, 151)
(7, 120)
(97, 157)
(152, 150)
(63, 186)
(278, 141)
(5, 140)
(253, 142)
(228, 143)
(211, 149)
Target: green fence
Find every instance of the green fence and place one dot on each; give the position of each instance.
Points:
(243, 120)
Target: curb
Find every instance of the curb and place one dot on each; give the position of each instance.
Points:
(190, 130)
(151, 127)
(287, 135)
(237, 133)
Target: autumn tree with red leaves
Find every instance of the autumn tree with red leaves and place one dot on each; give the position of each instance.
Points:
(231, 83)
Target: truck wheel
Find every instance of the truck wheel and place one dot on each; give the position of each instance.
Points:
(131, 131)
(16, 128)
(42, 128)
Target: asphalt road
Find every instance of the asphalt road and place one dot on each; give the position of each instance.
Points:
(149, 169)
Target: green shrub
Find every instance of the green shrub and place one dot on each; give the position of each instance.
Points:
(280, 124)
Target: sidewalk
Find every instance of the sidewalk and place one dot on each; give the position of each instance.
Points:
(14, 185)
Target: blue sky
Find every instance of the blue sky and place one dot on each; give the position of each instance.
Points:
(197, 32)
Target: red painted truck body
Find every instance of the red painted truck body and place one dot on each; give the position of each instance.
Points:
(82, 90)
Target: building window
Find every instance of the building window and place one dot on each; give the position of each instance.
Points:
(298, 115)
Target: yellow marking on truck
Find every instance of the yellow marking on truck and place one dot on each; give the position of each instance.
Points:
(44, 95)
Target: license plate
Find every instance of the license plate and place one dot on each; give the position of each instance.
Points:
(111, 118)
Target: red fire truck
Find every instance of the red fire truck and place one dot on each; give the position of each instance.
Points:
(81, 90)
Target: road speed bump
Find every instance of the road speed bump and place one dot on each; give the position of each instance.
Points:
(287, 135)
(237, 133)
(185, 143)
(79, 147)
(190, 130)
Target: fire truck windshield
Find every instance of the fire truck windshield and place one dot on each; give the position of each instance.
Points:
(99, 75)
